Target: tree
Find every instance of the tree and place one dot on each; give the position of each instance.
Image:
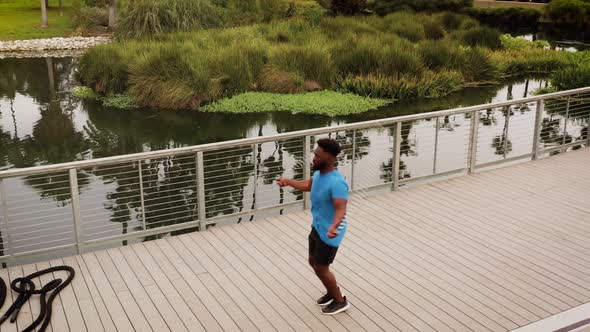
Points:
(44, 14)
(112, 10)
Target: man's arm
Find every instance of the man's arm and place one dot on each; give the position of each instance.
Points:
(340, 212)
(303, 185)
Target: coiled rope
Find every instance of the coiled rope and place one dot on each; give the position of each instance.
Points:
(25, 287)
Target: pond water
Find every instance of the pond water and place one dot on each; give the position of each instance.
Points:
(559, 39)
(41, 122)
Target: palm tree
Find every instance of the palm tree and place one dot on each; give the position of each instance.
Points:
(44, 14)
(112, 9)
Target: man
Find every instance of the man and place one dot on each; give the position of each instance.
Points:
(329, 195)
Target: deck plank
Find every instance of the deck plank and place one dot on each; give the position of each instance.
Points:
(105, 318)
(489, 252)
(7, 326)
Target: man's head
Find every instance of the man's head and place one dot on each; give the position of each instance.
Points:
(325, 154)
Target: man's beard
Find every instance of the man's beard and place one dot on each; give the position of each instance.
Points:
(319, 167)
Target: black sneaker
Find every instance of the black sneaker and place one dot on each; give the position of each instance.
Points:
(335, 307)
(325, 300)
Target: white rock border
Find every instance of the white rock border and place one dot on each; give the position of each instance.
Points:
(41, 47)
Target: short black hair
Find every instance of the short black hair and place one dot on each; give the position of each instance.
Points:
(330, 145)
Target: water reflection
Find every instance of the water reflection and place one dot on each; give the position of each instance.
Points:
(42, 123)
(559, 39)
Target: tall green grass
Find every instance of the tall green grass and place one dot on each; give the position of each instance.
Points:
(574, 75)
(370, 56)
(312, 61)
(143, 18)
(481, 36)
(105, 69)
(439, 53)
(430, 85)
(165, 77)
(477, 66)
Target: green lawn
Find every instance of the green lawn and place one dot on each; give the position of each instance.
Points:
(21, 19)
(505, 4)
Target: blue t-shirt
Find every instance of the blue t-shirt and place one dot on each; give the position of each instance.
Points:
(324, 188)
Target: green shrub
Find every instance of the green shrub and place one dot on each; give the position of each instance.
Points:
(433, 30)
(167, 77)
(242, 12)
(481, 36)
(400, 58)
(84, 92)
(96, 3)
(450, 21)
(431, 85)
(364, 55)
(405, 25)
(273, 9)
(312, 62)
(293, 31)
(375, 86)
(144, 18)
(340, 27)
(237, 65)
(384, 7)
(89, 18)
(506, 17)
(477, 66)
(515, 43)
(438, 53)
(313, 15)
(358, 55)
(574, 13)
(104, 68)
(527, 61)
(272, 79)
(439, 84)
(380, 86)
(572, 77)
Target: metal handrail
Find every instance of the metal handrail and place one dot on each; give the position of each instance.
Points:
(277, 137)
(203, 209)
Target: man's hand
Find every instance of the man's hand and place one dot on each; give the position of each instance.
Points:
(282, 182)
(332, 231)
(301, 185)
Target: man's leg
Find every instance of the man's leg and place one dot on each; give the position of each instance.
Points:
(329, 280)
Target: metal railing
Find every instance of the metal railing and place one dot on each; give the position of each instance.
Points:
(78, 206)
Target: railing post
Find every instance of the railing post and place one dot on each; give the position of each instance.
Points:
(5, 219)
(306, 169)
(255, 157)
(472, 159)
(353, 159)
(397, 143)
(76, 210)
(567, 115)
(538, 126)
(141, 195)
(435, 144)
(202, 215)
(505, 147)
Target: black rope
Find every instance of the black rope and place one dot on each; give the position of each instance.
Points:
(25, 288)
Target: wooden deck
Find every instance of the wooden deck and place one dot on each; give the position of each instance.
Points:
(488, 252)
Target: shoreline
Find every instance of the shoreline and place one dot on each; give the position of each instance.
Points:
(53, 47)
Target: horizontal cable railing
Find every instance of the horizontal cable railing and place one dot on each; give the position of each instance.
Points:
(77, 206)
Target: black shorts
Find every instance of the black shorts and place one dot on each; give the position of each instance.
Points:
(320, 251)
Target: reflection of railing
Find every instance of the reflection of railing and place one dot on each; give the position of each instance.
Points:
(133, 197)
